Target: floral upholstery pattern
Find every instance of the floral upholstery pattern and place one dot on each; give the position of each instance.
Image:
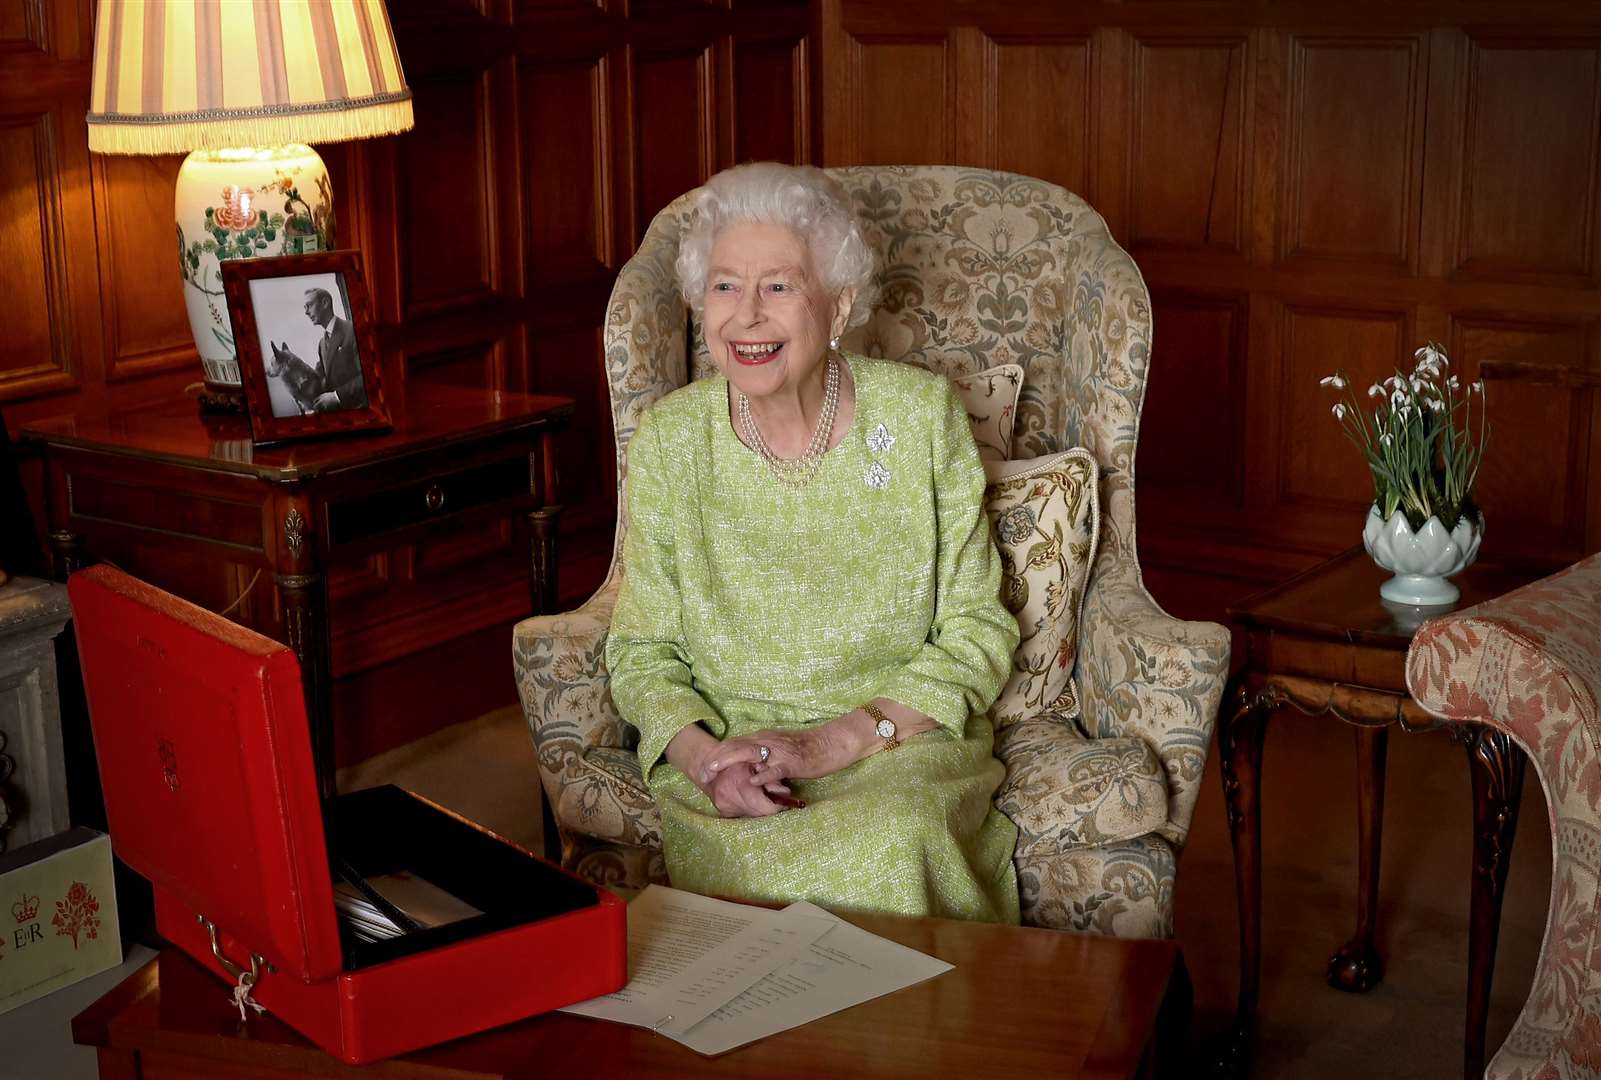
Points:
(1045, 517)
(1064, 791)
(1529, 664)
(978, 268)
(990, 398)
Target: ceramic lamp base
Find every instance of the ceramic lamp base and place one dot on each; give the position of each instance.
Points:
(243, 203)
(1419, 590)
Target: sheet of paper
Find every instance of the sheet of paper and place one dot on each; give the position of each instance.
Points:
(845, 967)
(690, 954)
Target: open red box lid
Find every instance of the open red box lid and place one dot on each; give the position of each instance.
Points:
(219, 756)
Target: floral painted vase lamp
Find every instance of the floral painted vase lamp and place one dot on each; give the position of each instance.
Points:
(1423, 436)
(243, 86)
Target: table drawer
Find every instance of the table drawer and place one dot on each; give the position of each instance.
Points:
(364, 516)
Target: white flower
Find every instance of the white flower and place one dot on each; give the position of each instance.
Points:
(876, 476)
(880, 440)
(1386, 439)
(1375, 390)
(1339, 411)
(1398, 399)
(1453, 383)
(1332, 380)
(1477, 386)
(1436, 404)
(1430, 354)
(1403, 412)
(1418, 385)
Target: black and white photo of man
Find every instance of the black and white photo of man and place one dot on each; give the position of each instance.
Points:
(319, 327)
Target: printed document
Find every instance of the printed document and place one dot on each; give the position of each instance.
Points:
(716, 975)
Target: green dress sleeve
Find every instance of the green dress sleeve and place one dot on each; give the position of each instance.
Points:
(651, 682)
(964, 663)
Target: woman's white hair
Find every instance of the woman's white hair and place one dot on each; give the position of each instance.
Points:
(800, 197)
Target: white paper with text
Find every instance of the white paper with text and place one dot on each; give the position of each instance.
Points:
(688, 955)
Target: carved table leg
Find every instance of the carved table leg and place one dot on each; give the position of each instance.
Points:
(542, 558)
(1241, 729)
(66, 547)
(306, 620)
(1496, 766)
(1356, 966)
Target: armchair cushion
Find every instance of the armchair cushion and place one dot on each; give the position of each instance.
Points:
(1064, 791)
(990, 398)
(1044, 514)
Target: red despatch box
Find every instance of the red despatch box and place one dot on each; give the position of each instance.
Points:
(205, 757)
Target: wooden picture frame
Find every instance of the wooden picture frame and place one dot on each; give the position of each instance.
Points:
(294, 318)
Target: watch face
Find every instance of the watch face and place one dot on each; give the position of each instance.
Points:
(886, 728)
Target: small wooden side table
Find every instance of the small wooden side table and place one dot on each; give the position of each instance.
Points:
(124, 483)
(1326, 643)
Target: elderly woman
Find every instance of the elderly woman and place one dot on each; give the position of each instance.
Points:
(808, 635)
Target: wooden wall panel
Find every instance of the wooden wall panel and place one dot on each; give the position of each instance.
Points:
(1043, 109)
(1196, 406)
(673, 118)
(1316, 463)
(899, 102)
(565, 176)
(146, 325)
(447, 174)
(1186, 170)
(769, 101)
(1355, 144)
(1529, 185)
(35, 342)
(1305, 187)
(1533, 487)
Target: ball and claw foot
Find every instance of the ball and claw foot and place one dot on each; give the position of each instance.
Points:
(1355, 968)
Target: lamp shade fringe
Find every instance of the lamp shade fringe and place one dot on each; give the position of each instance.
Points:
(109, 134)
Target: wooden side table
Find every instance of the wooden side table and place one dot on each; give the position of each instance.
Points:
(128, 484)
(1326, 643)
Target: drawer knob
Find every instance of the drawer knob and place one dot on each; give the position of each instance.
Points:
(434, 497)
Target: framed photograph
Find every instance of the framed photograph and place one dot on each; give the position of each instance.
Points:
(308, 359)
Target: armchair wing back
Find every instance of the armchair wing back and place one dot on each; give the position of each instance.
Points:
(1529, 664)
(977, 268)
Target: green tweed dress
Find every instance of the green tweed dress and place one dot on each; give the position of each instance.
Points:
(748, 605)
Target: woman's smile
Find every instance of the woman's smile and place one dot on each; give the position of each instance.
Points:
(755, 353)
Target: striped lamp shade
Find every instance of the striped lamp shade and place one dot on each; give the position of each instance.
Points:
(178, 75)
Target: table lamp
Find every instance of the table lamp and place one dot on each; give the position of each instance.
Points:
(243, 86)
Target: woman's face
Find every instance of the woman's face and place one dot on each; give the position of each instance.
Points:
(767, 317)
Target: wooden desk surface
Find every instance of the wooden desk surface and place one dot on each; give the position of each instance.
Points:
(174, 431)
(1020, 1003)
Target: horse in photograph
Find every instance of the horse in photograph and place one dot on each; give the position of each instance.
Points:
(303, 381)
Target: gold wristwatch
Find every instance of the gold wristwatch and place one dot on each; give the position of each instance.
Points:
(885, 727)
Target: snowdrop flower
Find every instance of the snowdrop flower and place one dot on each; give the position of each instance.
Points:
(1339, 411)
(1375, 390)
(1386, 439)
(1477, 386)
(1404, 412)
(1430, 354)
(1453, 383)
(1332, 380)
(1436, 404)
(1398, 399)
(1418, 384)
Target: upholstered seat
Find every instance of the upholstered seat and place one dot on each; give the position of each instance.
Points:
(1529, 664)
(978, 268)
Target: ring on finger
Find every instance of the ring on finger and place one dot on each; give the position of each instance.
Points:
(763, 753)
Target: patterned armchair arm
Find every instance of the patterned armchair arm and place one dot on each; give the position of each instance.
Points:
(1143, 673)
(1528, 664)
(585, 749)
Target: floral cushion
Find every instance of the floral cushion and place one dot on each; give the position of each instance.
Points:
(1045, 516)
(1064, 791)
(990, 398)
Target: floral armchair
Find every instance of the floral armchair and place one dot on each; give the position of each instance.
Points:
(978, 268)
(1529, 664)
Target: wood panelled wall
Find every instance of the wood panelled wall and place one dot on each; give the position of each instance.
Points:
(1305, 186)
(548, 133)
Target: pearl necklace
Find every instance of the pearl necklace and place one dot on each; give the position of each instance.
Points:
(798, 472)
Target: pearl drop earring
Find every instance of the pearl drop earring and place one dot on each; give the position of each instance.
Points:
(833, 342)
